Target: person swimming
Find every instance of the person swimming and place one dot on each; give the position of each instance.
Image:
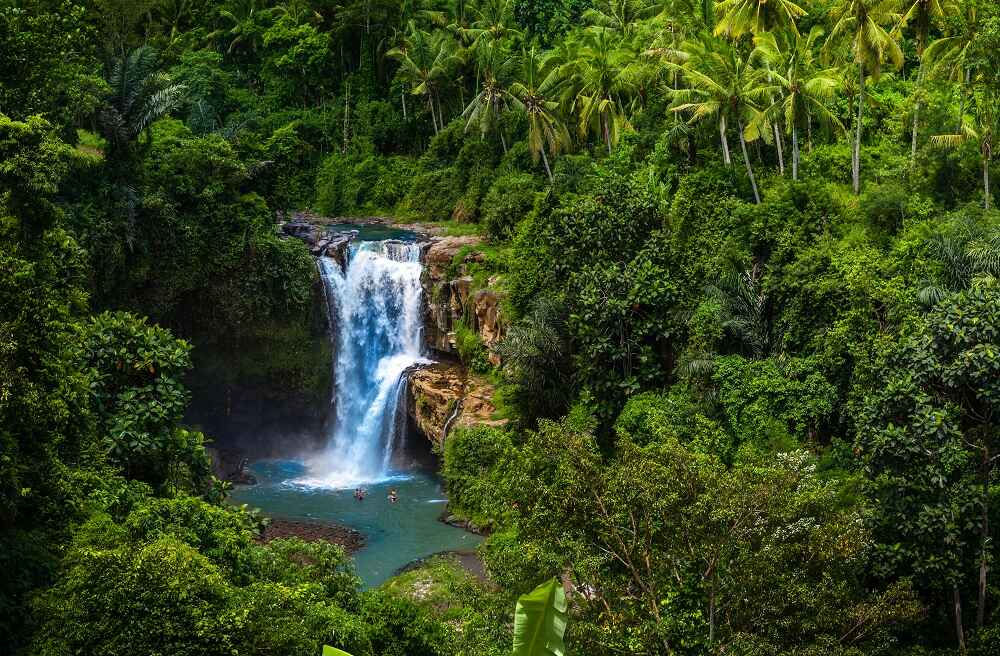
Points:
(393, 498)
(359, 493)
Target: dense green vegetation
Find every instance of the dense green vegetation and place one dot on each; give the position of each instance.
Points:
(749, 259)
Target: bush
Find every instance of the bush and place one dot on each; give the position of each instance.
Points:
(509, 201)
(434, 194)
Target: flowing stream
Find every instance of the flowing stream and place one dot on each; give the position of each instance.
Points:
(375, 310)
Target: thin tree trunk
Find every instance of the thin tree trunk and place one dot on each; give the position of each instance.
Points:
(503, 142)
(985, 533)
(780, 147)
(607, 132)
(957, 608)
(916, 117)
(545, 160)
(856, 164)
(746, 160)
(402, 97)
(986, 179)
(795, 153)
(725, 142)
(430, 101)
(809, 130)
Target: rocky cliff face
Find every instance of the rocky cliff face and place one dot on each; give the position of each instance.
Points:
(443, 396)
(452, 296)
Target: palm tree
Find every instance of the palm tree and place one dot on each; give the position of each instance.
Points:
(424, 62)
(139, 95)
(722, 83)
(531, 95)
(493, 98)
(494, 22)
(744, 309)
(621, 16)
(242, 29)
(983, 127)
(739, 17)
(601, 88)
(803, 91)
(862, 23)
(949, 56)
(920, 14)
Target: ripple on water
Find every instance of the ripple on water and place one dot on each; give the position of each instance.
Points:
(396, 533)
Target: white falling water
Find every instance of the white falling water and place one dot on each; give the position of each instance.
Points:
(375, 310)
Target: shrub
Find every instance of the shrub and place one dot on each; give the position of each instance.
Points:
(509, 200)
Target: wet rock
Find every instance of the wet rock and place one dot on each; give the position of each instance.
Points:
(442, 396)
(452, 296)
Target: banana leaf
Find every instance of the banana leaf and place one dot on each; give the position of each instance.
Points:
(540, 621)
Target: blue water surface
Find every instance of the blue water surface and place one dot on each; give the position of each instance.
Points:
(396, 534)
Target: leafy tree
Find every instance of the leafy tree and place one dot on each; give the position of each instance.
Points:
(928, 443)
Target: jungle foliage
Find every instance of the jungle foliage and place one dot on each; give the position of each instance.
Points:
(749, 256)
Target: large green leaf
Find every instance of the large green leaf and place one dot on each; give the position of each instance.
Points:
(540, 621)
(333, 651)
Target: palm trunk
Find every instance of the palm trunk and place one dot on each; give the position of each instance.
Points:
(986, 178)
(503, 142)
(725, 142)
(795, 152)
(430, 101)
(916, 117)
(402, 97)
(856, 163)
(545, 161)
(780, 147)
(746, 160)
(957, 609)
(607, 132)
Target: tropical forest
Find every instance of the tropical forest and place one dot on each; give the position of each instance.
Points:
(487, 327)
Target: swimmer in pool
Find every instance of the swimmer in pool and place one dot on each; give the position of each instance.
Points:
(392, 496)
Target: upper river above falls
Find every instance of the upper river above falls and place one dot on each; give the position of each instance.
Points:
(375, 306)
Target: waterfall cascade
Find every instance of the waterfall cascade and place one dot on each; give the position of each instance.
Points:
(375, 314)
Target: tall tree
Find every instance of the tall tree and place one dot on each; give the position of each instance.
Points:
(802, 91)
(424, 61)
(493, 98)
(920, 14)
(982, 127)
(863, 24)
(532, 94)
(602, 89)
(722, 83)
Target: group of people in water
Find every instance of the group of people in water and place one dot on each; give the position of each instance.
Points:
(360, 493)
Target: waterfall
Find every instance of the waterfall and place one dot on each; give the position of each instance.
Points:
(376, 328)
